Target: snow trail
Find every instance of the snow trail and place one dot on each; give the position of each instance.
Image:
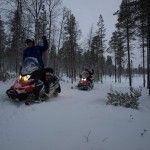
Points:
(75, 120)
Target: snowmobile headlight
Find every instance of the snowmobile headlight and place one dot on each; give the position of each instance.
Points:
(20, 77)
(24, 78)
(83, 79)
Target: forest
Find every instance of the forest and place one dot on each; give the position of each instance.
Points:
(22, 19)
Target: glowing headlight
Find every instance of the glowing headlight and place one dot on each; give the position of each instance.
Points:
(24, 78)
(83, 79)
(20, 77)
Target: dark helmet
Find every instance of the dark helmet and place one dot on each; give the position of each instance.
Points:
(27, 41)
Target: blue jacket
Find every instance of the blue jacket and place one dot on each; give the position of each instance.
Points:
(36, 52)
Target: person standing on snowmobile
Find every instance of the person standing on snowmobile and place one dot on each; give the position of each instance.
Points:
(35, 51)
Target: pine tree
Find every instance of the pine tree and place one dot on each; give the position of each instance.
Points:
(142, 40)
(2, 48)
(126, 24)
(144, 17)
(141, 14)
(79, 61)
(117, 45)
(109, 66)
(70, 45)
(97, 50)
(87, 61)
(144, 7)
(141, 25)
(17, 39)
(95, 56)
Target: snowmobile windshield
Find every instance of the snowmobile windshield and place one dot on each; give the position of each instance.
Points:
(84, 74)
(30, 64)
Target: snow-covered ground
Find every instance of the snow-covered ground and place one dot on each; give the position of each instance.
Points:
(75, 120)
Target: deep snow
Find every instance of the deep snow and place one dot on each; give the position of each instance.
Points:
(75, 120)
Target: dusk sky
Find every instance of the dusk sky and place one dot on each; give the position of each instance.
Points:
(88, 11)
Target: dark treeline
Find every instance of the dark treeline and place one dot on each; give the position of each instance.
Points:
(33, 18)
(132, 27)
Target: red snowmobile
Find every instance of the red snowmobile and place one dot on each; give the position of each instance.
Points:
(85, 82)
(31, 90)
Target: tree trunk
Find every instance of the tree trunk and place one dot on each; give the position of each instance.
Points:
(115, 70)
(143, 61)
(143, 52)
(129, 59)
(148, 53)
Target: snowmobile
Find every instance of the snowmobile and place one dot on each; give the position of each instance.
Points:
(85, 83)
(30, 90)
